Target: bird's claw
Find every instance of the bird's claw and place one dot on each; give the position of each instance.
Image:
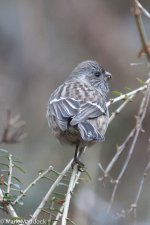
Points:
(80, 165)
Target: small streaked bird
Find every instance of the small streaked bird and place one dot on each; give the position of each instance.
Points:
(77, 112)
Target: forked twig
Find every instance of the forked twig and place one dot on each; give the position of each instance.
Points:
(140, 27)
(139, 119)
(8, 207)
(145, 12)
(127, 95)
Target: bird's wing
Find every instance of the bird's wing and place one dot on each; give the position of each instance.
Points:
(63, 109)
(89, 121)
(88, 110)
(69, 110)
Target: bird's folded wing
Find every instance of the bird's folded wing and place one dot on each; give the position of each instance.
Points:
(77, 113)
(88, 110)
(63, 109)
(89, 132)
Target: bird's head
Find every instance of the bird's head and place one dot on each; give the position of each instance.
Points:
(93, 73)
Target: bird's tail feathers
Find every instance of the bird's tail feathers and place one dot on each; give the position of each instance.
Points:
(89, 133)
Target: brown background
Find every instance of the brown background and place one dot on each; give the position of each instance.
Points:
(40, 43)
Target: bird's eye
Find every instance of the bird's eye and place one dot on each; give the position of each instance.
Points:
(97, 74)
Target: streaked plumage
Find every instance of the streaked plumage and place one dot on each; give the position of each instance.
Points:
(77, 113)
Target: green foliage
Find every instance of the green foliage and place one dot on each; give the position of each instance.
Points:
(128, 89)
(142, 82)
(117, 93)
(10, 185)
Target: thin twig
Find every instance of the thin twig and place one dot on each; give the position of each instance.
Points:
(127, 95)
(140, 27)
(31, 184)
(139, 119)
(115, 113)
(134, 205)
(8, 207)
(10, 173)
(120, 149)
(145, 12)
(117, 181)
(46, 197)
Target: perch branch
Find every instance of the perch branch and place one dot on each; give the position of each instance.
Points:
(46, 197)
(59, 214)
(72, 184)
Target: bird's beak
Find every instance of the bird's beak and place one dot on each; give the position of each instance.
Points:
(108, 75)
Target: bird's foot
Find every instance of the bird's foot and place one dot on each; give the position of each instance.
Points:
(80, 165)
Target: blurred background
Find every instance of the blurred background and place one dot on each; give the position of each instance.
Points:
(40, 43)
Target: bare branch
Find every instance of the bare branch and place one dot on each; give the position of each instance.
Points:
(114, 114)
(140, 27)
(120, 149)
(127, 95)
(144, 11)
(10, 173)
(139, 119)
(141, 184)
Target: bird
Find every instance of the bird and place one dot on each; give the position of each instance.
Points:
(77, 112)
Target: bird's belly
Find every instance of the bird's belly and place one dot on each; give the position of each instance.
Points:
(72, 137)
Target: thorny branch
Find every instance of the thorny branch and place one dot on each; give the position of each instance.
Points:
(42, 174)
(133, 206)
(8, 207)
(138, 127)
(115, 113)
(127, 95)
(120, 149)
(139, 119)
